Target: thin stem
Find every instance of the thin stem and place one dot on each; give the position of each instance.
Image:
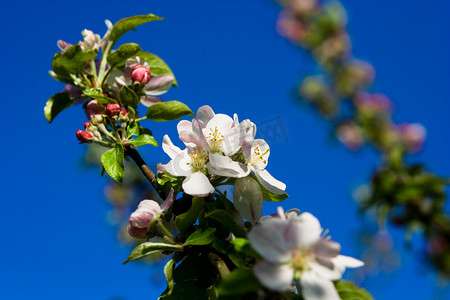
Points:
(131, 151)
(104, 144)
(165, 230)
(93, 68)
(219, 264)
(101, 73)
(141, 119)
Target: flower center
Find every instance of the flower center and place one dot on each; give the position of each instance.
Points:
(198, 160)
(215, 139)
(300, 260)
(258, 156)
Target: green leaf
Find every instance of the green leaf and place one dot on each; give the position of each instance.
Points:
(144, 139)
(239, 282)
(112, 161)
(120, 56)
(133, 128)
(56, 104)
(200, 237)
(227, 220)
(97, 95)
(71, 61)
(128, 97)
(166, 111)
(157, 66)
(128, 24)
(168, 271)
(349, 291)
(147, 248)
(185, 220)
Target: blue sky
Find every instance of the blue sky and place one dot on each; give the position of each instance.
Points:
(56, 242)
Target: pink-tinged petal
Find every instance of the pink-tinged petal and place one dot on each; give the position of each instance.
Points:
(150, 100)
(232, 140)
(160, 168)
(273, 185)
(303, 231)
(317, 288)
(184, 125)
(347, 261)
(149, 206)
(274, 276)
(168, 202)
(179, 166)
(205, 114)
(170, 148)
(158, 85)
(197, 184)
(198, 132)
(136, 232)
(248, 198)
(225, 166)
(326, 248)
(268, 240)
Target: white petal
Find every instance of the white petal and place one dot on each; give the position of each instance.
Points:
(326, 271)
(270, 183)
(197, 184)
(232, 140)
(260, 146)
(205, 114)
(303, 231)
(326, 248)
(179, 165)
(224, 166)
(347, 261)
(268, 240)
(158, 85)
(317, 288)
(248, 198)
(184, 125)
(170, 148)
(150, 100)
(274, 276)
(221, 122)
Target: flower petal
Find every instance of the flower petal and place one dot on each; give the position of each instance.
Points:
(168, 202)
(197, 184)
(205, 114)
(303, 231)
(158, 85)
(170, 148)
(179, 165)
(150, 100)
(326, 248)
(224, 166)
(347, 261)
(317, 288)
(273, 185)
(274, 276)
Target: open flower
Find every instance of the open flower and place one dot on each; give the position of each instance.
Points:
(293, 248)
(146, 212)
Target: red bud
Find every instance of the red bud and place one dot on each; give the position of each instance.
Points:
(84, 137)
(140, 74)
(112, 109)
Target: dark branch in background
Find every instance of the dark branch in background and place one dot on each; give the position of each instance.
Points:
(131, 152)
(407, 195)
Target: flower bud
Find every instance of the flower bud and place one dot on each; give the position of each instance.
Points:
(140, 75)
(123, 112)
(97, 120)
(86, 125)
(89, 39)
(112, 109)
(63, 45)
(413, 135)
(84, 137)
(92, 109)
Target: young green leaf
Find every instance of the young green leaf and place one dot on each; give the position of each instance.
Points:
(147, 248)
(168, 271)
(97, 95)
(144, 139)
(56, 104)
(200, 237)
(112, 161)
(128, 97)
(227, 220)
(239, 282)
(349, 291)
(166, 111)
(120, 56)
(128, 24)
(133, 128)
(184, 221)
(157, 66)
(72, 60)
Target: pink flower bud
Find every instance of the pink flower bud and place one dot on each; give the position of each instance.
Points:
(92, 109)
(89, 39)
(140, 74)
(350, 135)
(112, 109)
(123, 112)
(63, 45)
(86, 125)
(84, 137)
(413, 135)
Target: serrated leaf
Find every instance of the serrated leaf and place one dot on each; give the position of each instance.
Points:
(130, 23)
(185, 220)
(128, 97)
(349, 291)
(144, 139)
(157, 66)
(227, 220)
(133, 128)
(120, 56)
(112, 161)
(200, 237)
(168, 272)
(97, 95)
(166, 111)
(56, 104)
(239, 282)
(147, 248)
(72, 60)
